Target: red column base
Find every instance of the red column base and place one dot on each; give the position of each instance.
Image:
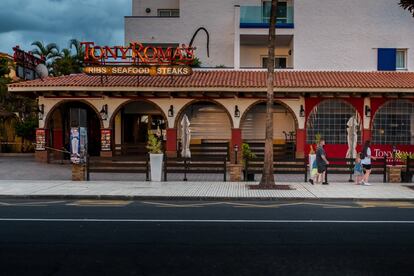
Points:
(171, 144)
(300, 143)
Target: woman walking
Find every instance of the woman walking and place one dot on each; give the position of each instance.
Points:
(366, 162)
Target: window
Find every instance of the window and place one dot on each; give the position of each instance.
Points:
(329, 119)
(281, 13)
(391, 59)
(394, 123)
(280, 62)
(168, 13)
(401, 59)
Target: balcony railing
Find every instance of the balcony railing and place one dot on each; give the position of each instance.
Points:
(258, 17)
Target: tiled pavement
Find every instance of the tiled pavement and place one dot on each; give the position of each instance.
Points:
(23, 177)
(25, 168)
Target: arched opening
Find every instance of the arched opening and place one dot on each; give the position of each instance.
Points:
(72, 114)
(393, 123)
(210, 126)
(131, 123)
(329, 120)
(253, 126)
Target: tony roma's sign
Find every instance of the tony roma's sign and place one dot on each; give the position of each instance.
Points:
(136, 70)
(138, 59)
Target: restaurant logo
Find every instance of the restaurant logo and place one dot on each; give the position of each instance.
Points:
(138, 59)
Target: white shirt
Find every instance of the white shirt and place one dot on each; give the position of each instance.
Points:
(367, 159)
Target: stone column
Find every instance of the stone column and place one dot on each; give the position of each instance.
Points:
(236, 172)
(171, 144)
(78, 172)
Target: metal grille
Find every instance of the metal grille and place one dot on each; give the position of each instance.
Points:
(208, 122)
(394, 123)
(329, 120)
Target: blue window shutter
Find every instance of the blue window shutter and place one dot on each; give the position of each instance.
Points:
(387, 58)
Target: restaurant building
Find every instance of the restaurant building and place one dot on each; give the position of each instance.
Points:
(331, 65)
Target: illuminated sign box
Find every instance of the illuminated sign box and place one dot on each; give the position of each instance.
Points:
(138, 60)
(133, 70)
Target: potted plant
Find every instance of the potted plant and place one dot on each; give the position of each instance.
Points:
(406, 175)
(247, 155)
(156, 156)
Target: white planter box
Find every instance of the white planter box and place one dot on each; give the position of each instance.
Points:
(156, 166)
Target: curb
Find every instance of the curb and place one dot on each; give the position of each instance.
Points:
(169, 198)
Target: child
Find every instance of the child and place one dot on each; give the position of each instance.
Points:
(358, 172)
(314, 173)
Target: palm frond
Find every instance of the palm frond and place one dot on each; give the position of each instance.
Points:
(407, 5)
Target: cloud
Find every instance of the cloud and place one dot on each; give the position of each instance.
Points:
(25, 21)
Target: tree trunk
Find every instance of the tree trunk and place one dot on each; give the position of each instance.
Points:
(267, 176)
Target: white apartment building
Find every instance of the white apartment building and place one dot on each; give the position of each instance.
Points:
(311, 34)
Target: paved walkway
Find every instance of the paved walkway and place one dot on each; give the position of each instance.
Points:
(21, 176)
(198, 190)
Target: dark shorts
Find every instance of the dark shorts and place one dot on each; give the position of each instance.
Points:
(366, 166)
(321, 168)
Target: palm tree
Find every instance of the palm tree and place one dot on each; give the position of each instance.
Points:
(408, 5)
(268, 180)
(64, 64)
(80, 54)
(48, 52)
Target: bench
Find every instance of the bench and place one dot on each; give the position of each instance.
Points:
(209, 149)
(280, 166)
(133, 164)
(195, 165)
(346, 166)
(287, 150)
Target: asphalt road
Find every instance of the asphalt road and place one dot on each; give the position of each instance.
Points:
(47, 237)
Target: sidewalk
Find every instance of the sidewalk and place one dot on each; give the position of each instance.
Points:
(198, 190)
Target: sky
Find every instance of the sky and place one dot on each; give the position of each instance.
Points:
(58, 21)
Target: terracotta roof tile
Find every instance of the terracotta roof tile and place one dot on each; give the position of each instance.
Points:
(237, 79)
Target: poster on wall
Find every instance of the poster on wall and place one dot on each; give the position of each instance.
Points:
(40, 139)
(105, 139)
(74, 145)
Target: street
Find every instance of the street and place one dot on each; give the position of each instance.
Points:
(113, 237)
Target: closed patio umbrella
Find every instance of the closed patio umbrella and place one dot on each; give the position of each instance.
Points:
(352, 137)
(185, 137)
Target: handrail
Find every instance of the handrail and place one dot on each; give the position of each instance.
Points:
(58, 150)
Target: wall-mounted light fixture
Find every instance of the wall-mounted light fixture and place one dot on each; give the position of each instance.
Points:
(367, 111)
(236, 112)
(41, 111)
(104, 112)
(171, 111)
(148, 10)
(302, 111)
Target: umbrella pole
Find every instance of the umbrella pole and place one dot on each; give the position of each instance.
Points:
(185, 168)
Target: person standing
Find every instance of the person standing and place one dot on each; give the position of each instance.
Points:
(321, 162)
(358, 171)
(366, 162)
